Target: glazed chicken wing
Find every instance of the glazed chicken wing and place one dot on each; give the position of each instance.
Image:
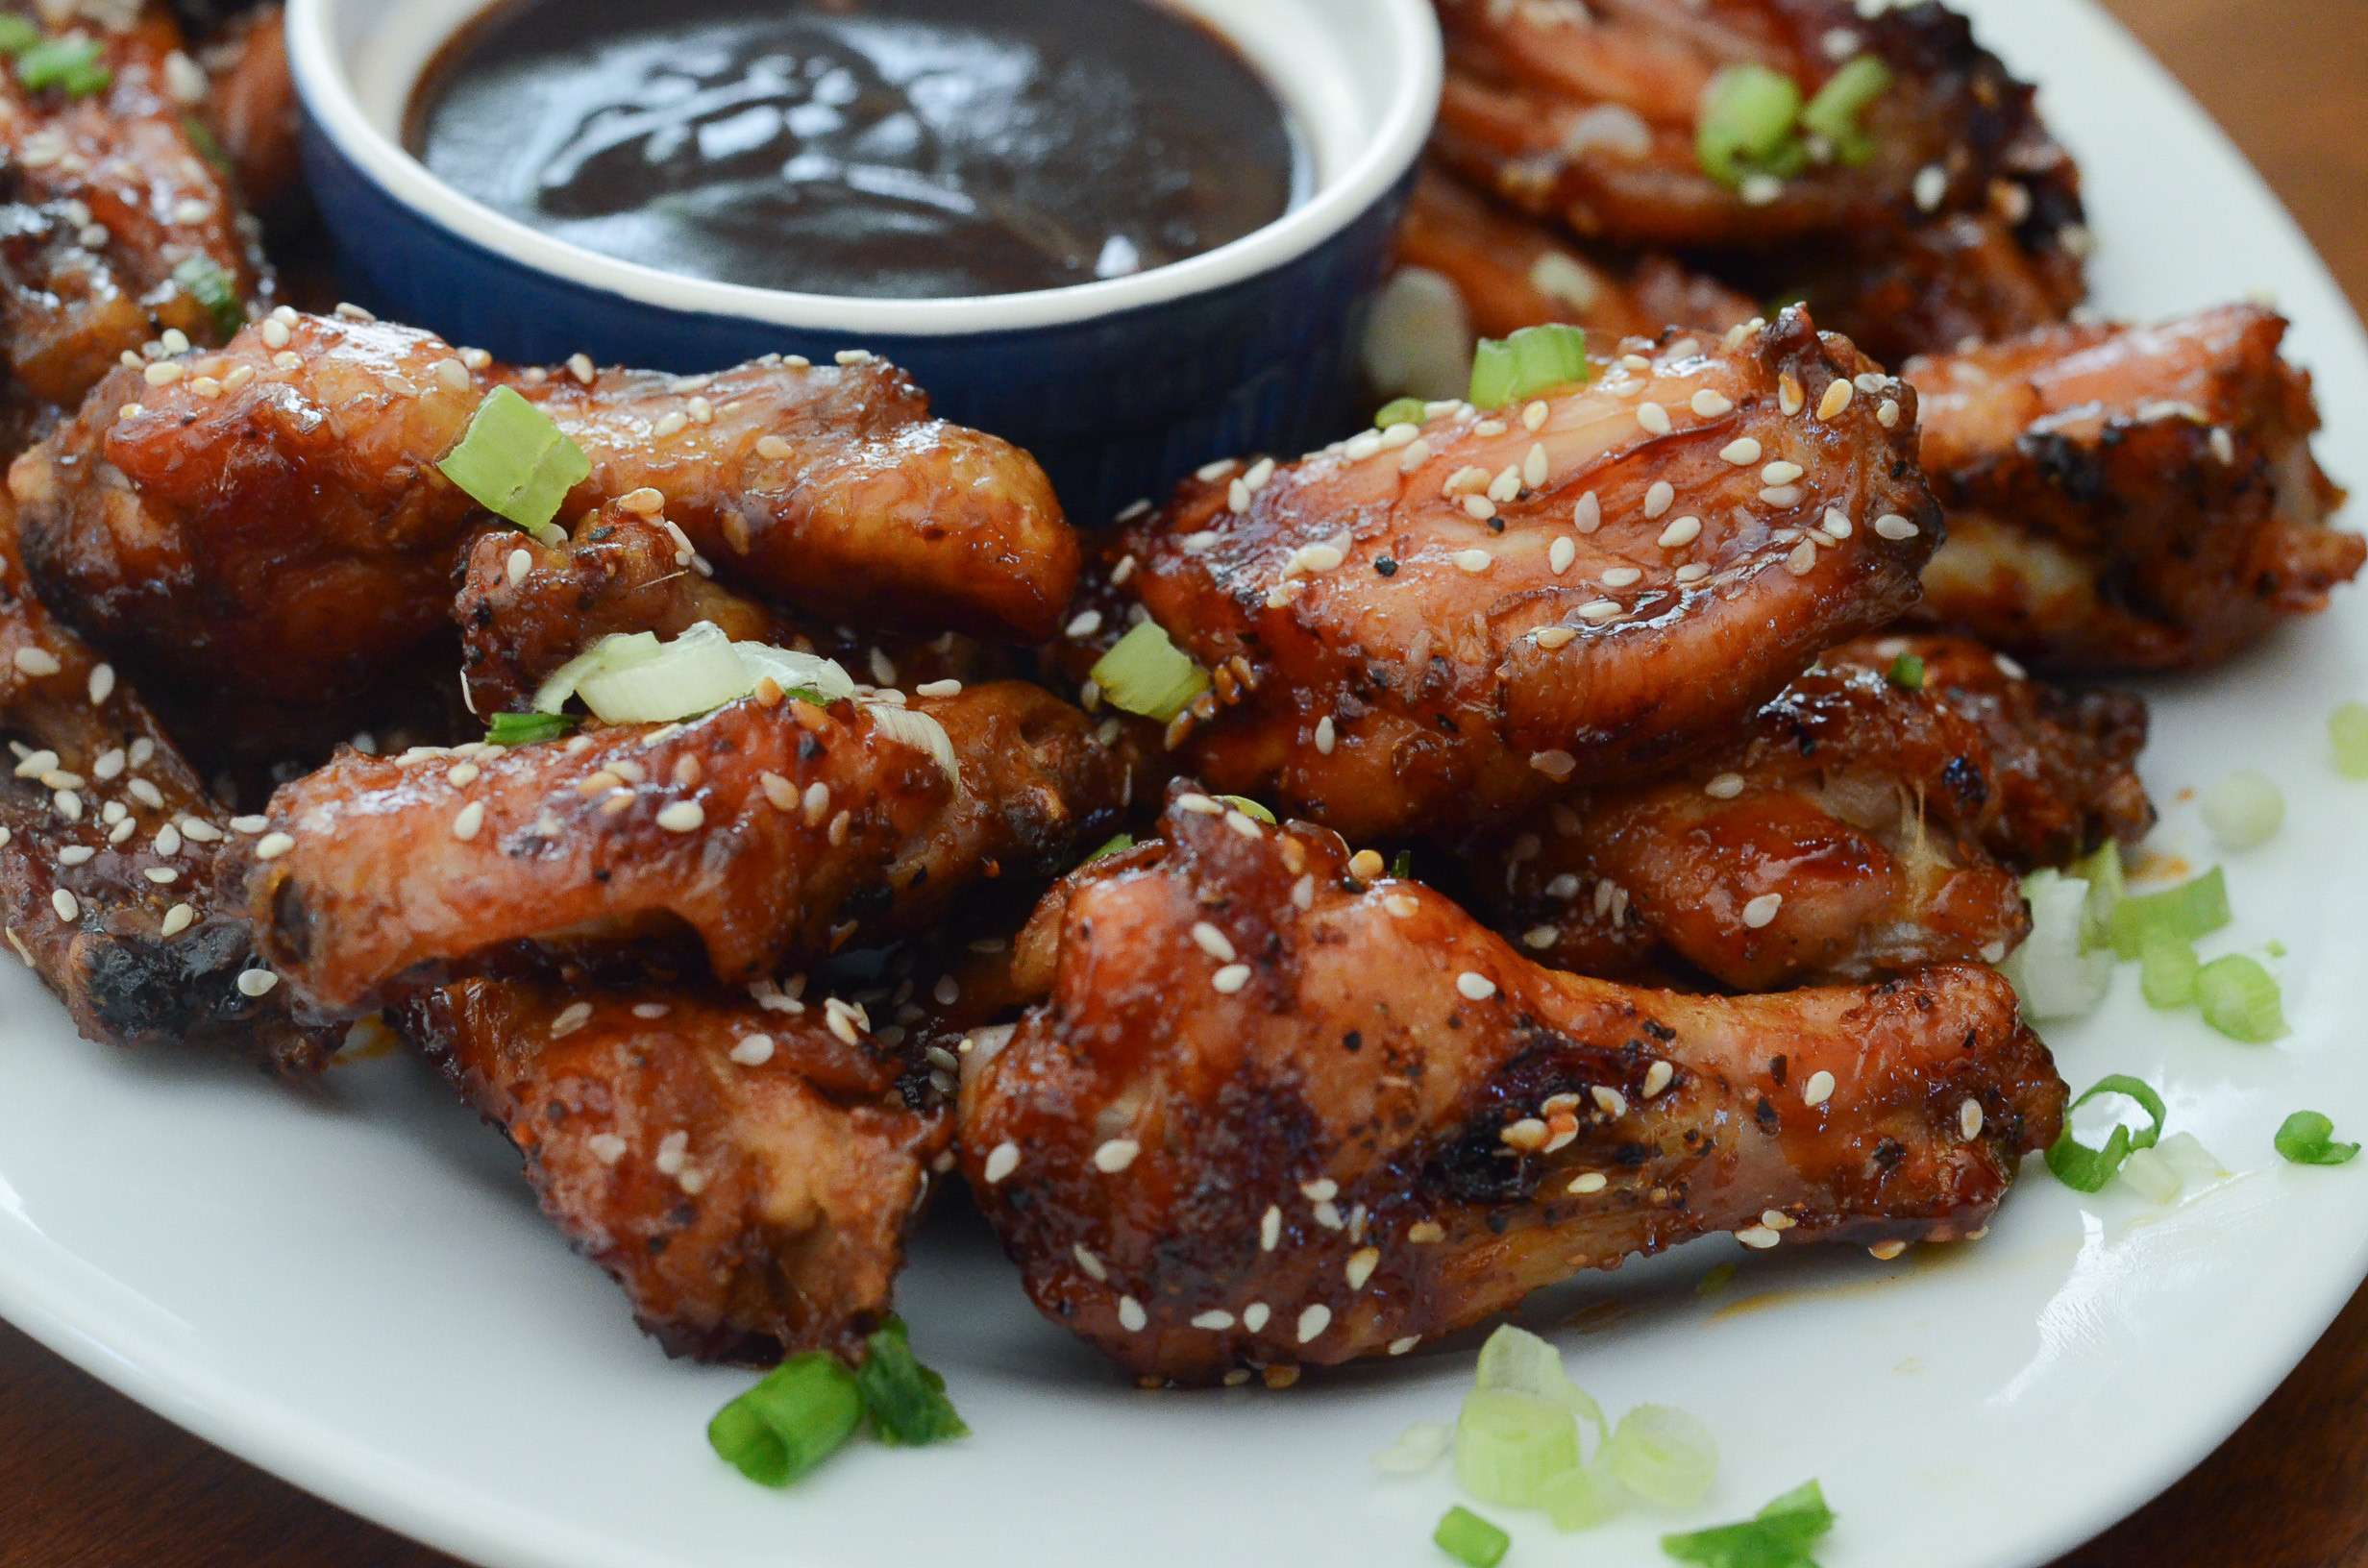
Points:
(2128, 499)
(746, 1172)
(1275, 1114)
(1418, 632)
(1874, 818)
(776, 832)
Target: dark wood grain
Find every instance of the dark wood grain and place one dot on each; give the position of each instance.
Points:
(88, 1480)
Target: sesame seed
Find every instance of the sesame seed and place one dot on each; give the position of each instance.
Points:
(1237, 497)
(1404, 1343)
(1762, 910)
(1490, 427)
(1837, 398)
(1314, 1321)
(1230, 979)
(1003, 1160)
(1325, 736)
(1366, 865)
(1802, 558)
(168, 841)
(38, 662)
(1561, 553)
(1887, 415)
(1586, 515)
(1657, 1078)
(75, 854)
(1534, 466)
(1932, 187)
(1712, 404)
(69, 805)
(1553, 637)
(1269, 1230)
(1424, 1232)
(2222, 446)
(1776, 1219)
(1599, 610)
(272, 846)
(671, 423)
(1131, 1316)
(519, 564)
(1680, 534)
(1620, 577)
(1779, 471)
(1361, 1266)
(1835, 524)
(275, 333)
(1475, 986)
(1761, 189)
(1608, 1100)
(753, 1050)
(1588, 1181)
(1472, 561)
(1654, 418)
(1883, 1252)
(472, 818)
(256, 982)
(682, 817)
(1479, 508)
(1216, 1318)
(1541, 936)
(1254, 1316)
(1303, 891)
(1418, 452)
(461, 774)
(163, 373)
(1400, 906)
(1742, 452)
(65, 903)
(177, 920)
(1660, 498)
(1244, 823)
(1116, 1155)
(1534, 416)
(1892, 526)
(606, 1147)
(1758, 1236)
(1557, 766)
(1969, 1119)
(1818, 1089)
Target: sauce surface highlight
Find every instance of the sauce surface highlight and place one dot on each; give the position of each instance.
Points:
(916, 149)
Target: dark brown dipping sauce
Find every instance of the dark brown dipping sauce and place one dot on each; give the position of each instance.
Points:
(913, 149)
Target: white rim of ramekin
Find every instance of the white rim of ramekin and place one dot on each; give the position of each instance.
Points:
(1406, 124)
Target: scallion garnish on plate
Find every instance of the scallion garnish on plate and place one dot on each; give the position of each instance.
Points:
(1780, 1535)
(2309, 1138)
(810, 1404)
(515, 463)
(2085, 1170)
(1470, 1539)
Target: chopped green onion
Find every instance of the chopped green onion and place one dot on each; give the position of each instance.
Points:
(1144, 672)
(2274, 947)
(1534, 359)
(1402, 865)
(70, 65)
(515, 463)
(1250, 808)
(2347, 731)
(1906, 673)
(1417, 1448)
(17, 33)
(2102, 872)
(1507, 1444)
(2244, 809)
(527, 728)
(1403, 411)
(211, 287)
(808, 675)
(1579, 1499)
(2190, 910)
(2053, 971)
(1663, 1456)
(1716, 1280)
(1515, 1360)
(2240, 998)
(1748, 115)
(905, 1400)
(202, 137)
(1470, 1539)
(2186, 1155)
(1118, 842)
(2085, 1170)
(1779, 1535)
(2167, 972)
(2309, 1138)
(643, 683)
(1834, 112)
(909, 727)
(2151, 1176)
(791, 1422)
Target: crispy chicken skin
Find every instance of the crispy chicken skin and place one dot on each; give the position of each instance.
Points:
(1852, 830)
(749, 1208)
(1397, 652)
(109, 856)
(2128, 499)
(273, 518)
(775, 833)
(1514, 272)
(1274, 1114)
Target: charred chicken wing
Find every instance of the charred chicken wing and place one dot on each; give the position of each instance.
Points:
(1273, 1112)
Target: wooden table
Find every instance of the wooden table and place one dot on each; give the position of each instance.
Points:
(87, 1480)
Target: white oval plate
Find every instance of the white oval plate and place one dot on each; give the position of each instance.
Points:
(355, 1290)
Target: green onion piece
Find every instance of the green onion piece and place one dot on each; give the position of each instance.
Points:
(2309, 1138)
(1118, 842)
(2347, 731)
(1779, 1535)
(69, 65)
(1402, 865)
(1403, 411)
(1507, 1445)
(527, 728)
(697, 672)
(2167, 972)
(2195, 1163)
(1834, 112)
(1144, 672)
(1906, 673)
(2102, 872)
(791, 1422)
(515, 463)
(1417, 1448)
(214, 289)
(1663, 1456)
(1470, 1539)
(17, 33)
(1748, 113)
(202, 137)
(2053, 971)
(1579, 1499)
(2085, 1170)
(2274, 947)
(1515, 1360)
(2240, 998)
(2244, 809)
(1534, 359)
(1715, 1280)
(1250, 808)
(2151, 1176)
(905, 1400)
(2183, 913)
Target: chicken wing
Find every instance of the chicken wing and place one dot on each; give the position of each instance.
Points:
(775, 833)
(1420, 633)
(747, 1172)
(1872, 820)
(2128, 499)
(1274, 1112)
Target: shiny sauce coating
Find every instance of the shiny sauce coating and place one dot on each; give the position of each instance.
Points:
(915, 149)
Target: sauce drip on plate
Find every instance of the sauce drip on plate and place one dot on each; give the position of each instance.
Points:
(908, 149)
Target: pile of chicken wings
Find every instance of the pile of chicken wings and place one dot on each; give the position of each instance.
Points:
(1601, 827)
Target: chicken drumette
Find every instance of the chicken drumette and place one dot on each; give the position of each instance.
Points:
(1274, 1112)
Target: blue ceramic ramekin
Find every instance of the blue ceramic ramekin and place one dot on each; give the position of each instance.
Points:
(1119, 387)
